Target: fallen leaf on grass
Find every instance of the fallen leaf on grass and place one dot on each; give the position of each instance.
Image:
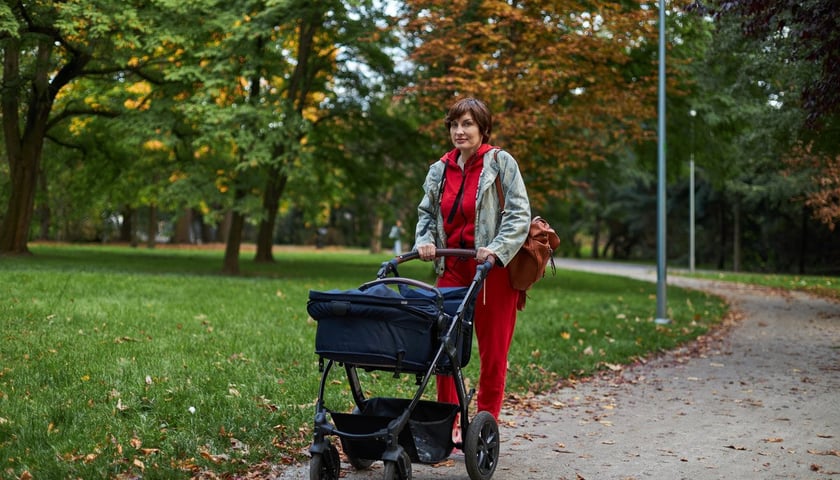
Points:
(214, 458)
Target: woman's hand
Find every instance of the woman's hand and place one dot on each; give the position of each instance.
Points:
(426, 251)
(483, 254)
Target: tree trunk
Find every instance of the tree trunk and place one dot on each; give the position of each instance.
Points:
(736, 237)
(151, 228)
(721, 247)
(183, 228)
(234, 242)
(596, 237)
(24, 145)
(377, 224)
(274, 188)
(803, 243)
(225, 226)
(127, 226)
(44, 213)
(23, 152)
(230, 265)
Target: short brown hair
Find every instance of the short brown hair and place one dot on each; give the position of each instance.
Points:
(479, 111)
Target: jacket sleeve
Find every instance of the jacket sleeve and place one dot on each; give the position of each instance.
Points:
(516, 217)
(426, 230)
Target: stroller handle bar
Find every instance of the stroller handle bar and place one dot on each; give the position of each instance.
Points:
(391, 265)
(440, 252)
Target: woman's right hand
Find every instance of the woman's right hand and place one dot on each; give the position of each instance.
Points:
(426, 251)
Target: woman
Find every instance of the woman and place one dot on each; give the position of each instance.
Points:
(460, 209)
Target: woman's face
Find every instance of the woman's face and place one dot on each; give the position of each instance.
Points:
(465, 134)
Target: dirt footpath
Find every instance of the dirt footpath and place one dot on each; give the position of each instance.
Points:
(759, 400)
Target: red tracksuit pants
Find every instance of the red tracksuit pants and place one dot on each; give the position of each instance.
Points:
(494, 322)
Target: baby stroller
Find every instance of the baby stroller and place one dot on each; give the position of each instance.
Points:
(404, 326)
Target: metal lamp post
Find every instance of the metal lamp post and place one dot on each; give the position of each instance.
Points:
(693, 114)
(661, 282)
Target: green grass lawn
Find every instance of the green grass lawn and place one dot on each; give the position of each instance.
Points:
(824, 286)
(119, 362)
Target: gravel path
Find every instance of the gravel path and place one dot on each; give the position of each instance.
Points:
(759, 399)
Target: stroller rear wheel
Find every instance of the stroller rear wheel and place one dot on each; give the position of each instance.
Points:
(325, 466)
(399, 470)
(481, 446)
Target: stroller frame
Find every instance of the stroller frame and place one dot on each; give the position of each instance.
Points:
(378, 430)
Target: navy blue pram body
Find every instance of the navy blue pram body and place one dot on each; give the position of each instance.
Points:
(385, 328)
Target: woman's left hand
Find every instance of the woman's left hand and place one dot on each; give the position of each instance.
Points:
(483, 254)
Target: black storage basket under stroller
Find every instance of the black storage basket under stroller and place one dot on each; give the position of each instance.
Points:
(403, 326)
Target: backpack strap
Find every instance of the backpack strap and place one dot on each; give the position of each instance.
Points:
(499, 191)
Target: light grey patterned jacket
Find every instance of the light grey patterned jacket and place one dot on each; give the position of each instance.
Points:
(502, 232)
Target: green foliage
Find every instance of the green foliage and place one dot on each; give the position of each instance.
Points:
(106, 351)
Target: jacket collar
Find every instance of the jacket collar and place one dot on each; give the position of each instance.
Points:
(452, 155)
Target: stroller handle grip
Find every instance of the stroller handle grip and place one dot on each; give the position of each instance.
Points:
(440, 252)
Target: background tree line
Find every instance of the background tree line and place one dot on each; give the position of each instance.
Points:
(299, 122)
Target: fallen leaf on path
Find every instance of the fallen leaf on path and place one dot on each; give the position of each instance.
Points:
(818, 468)
(529, 437)
(736, 447)
(836, 453)
(773, 440)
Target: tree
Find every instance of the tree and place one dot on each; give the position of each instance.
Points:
(570, 82)
(46, 47)
(809, 28)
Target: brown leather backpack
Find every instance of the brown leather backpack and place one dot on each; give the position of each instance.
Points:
(529, 264)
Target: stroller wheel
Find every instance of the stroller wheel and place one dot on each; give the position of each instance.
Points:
(400, 470)
(325, 466)
(481, 446)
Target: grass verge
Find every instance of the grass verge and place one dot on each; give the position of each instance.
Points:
(823, 286)
(119, 362)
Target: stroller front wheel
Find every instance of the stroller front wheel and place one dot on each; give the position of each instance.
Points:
(481, 446)
(325, 466)
(399, 470)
